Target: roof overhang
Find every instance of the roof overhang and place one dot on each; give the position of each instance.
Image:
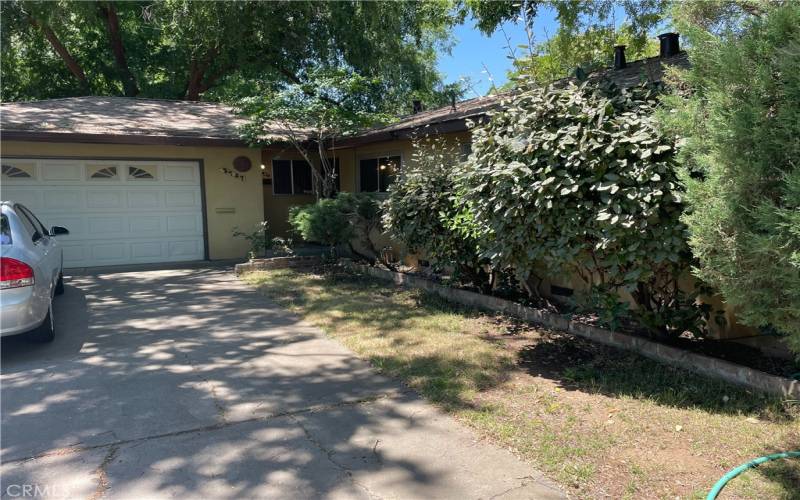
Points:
(443, 127)
(144, 140)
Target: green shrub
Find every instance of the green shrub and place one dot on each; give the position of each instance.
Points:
(323, 222)
(422, 211)
(739, 119)
(577, 178)
(338, 221)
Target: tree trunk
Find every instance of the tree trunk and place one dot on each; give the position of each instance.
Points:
(62, 51)
(109, 14)
(197, 71)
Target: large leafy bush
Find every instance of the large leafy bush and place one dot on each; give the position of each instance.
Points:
(739, 115)
(422, 211)
(577, 178)
(322, 222)
(348, 218)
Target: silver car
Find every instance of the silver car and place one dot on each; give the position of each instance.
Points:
(31, 273)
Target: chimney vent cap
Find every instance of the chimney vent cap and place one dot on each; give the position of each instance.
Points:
(669, 44)
(619, 57)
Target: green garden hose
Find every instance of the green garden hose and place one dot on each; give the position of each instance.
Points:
(712, 495)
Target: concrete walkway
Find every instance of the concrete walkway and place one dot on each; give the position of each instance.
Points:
(188, 384)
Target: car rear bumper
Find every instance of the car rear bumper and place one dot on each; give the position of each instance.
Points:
(20, 311)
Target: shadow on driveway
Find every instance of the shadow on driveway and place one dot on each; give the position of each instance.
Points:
(188, 383)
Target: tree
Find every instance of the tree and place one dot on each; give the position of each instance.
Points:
(213, 50)
(737, 116)
(586, 34)
(558, 57)
(312, 115)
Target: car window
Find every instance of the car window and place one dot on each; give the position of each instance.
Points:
(5, 230)
(35, 229)
(36, 222)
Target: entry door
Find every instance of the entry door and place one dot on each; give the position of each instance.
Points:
(117, 211)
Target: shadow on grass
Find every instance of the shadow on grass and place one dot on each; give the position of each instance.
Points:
(349, 305)
(407, 334)
(578, 364)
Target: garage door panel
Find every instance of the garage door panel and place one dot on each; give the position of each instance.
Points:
(129, 212)
(145, 224)
(148, 250)
(62, 171)
(104, 227)
(183, 224)
(142, 198)
(29, 197)
(110, 199)
(182, 199)
(74, 254)
(185, 248)
(110, 252)
(63, 200)
(180, 173)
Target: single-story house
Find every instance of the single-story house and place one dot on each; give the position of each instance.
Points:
(150, 180)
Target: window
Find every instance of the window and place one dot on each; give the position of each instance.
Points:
(17, 171)
(141, 173)
(101, 172)
(5, 230)
(292, 177)
(377, 174)
(302, 181)
(31, 223)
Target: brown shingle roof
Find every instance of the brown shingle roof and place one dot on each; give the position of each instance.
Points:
(122, 116)
(650, 69)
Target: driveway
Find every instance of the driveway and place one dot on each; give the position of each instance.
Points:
(188, 384)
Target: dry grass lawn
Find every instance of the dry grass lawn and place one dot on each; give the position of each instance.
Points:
(602, 422)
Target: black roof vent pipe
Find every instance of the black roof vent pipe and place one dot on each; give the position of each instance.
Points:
(670, 44)
(619, 57)
(417, 106)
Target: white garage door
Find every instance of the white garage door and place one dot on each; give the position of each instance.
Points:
(117, 212)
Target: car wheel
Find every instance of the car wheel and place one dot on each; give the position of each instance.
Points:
(46, 332)
(60, 285)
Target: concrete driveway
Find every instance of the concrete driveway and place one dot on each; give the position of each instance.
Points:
(188, 384)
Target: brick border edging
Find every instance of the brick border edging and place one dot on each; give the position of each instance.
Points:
(277, 263)
(698, 363)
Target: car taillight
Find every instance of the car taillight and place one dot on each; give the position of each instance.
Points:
(14, 274)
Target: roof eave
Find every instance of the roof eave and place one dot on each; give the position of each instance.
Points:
(440, 127)
(145, 140)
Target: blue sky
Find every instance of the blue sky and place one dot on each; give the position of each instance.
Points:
(473, 50)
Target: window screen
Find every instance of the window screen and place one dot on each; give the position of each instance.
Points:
(282, 176)
(302, 179)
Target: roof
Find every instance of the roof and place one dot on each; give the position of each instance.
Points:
(453, 118)
(128, 120)
(122, 119)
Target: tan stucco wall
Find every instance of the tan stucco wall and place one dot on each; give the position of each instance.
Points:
(276, 206)
(221, 191)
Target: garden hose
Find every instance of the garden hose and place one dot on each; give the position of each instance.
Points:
(712, 495)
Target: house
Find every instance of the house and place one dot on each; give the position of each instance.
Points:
(150, 180)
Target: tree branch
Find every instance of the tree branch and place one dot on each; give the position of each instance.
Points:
(197, 72)
(62, 51)
(109, 13)
(296, 79)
